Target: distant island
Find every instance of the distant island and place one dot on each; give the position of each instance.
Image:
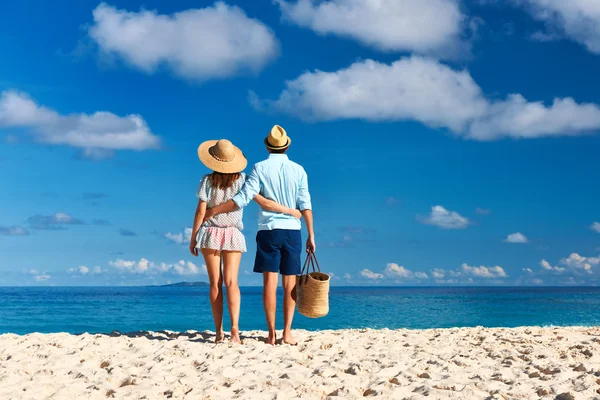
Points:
(183, 284)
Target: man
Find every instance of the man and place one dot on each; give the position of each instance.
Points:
(278, 242)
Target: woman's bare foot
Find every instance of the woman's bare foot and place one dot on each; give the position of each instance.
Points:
(235, 336)
(289, 339)
(271, 339)
(219, 337)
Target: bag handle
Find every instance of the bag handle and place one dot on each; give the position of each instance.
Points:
(311, 261)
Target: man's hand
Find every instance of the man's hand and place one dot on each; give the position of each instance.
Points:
(193, 248)
(209, 214)
(310, 245)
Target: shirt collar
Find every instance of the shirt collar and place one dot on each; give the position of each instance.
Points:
(273, 155)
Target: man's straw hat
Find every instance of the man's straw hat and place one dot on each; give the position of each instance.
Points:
(277, 139)
(222, 156)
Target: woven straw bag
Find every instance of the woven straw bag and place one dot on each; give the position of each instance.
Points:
(312, 289)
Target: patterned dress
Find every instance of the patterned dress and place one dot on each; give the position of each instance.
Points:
(223, 231)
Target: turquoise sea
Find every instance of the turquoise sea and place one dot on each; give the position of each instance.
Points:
(127, 309)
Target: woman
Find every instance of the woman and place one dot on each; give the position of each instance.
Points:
(220, 238)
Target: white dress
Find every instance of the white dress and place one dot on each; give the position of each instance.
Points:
(223, 231)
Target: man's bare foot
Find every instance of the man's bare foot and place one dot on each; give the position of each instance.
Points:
(289, 339)
(271, 339)
(235, 336)
(219, 337)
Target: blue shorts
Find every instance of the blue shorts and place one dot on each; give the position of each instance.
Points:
(278, 250)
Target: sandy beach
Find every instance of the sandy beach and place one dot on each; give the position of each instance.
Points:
(459, 363)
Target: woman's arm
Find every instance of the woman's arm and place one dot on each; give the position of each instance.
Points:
(198, 219)
(273, 206)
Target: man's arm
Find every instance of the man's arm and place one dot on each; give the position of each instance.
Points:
(250, 189)
(305, 205)
(310, 242)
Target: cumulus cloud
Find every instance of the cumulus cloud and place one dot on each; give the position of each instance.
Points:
(547, 267)
(434, 27)
(422, 89)
(580, 263)
(52, 222)
(578, 20)
(83, 270)
(180, 237)
(595, 227)
(438, 273)
(101, 131)
(444, 219)
(517, 237)
(347, 277)
(38, 276)
(13, 231)
(368, 274)
(144, 266)
(394, 270)
(484, 272)
(199, 44)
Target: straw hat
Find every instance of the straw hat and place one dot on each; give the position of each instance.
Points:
(277, 139)
(222, 156)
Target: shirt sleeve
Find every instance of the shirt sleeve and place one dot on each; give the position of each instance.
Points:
(250, 189)
(304, 202)
(202, 191)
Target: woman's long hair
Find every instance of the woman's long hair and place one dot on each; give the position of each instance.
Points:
(223, 181)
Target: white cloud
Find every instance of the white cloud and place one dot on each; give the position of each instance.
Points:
(13, 231)
(212, 42)
(181, 237)
(101, 132)
(430, 27)
(484, 272)
(438, 273)
(347, 277)
(546, 265)
(368, 274)
(577, 19)
(517, 237)
(595, 227)
(577, 262)
(38, 276)
(444, 219)
(42, 277)
(83, 270)
(394, 270)
(397, 271)
(145, 266)
(53, 222)
(421, 89)
(529, 270)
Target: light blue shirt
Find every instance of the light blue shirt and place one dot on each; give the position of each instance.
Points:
(281, 180)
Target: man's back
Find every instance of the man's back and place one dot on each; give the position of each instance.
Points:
(281, 180)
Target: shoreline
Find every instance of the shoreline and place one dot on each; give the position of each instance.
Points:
(445, 363)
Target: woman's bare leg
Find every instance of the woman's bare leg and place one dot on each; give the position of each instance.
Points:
(215, 277)
(231, 260)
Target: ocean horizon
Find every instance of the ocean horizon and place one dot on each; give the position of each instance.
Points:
(79, 309)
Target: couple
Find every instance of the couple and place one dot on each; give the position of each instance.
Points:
(280, 187)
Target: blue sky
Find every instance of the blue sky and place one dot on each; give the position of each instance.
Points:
(447, 142)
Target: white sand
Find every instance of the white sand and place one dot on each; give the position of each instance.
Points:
(465, 363)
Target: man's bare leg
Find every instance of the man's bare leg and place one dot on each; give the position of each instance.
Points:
(289, 306)
(270, 282)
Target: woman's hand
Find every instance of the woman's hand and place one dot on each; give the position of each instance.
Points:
(295, 213)
(193, 249)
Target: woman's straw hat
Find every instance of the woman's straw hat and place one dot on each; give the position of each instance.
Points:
(222, 156)
(277, 139)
